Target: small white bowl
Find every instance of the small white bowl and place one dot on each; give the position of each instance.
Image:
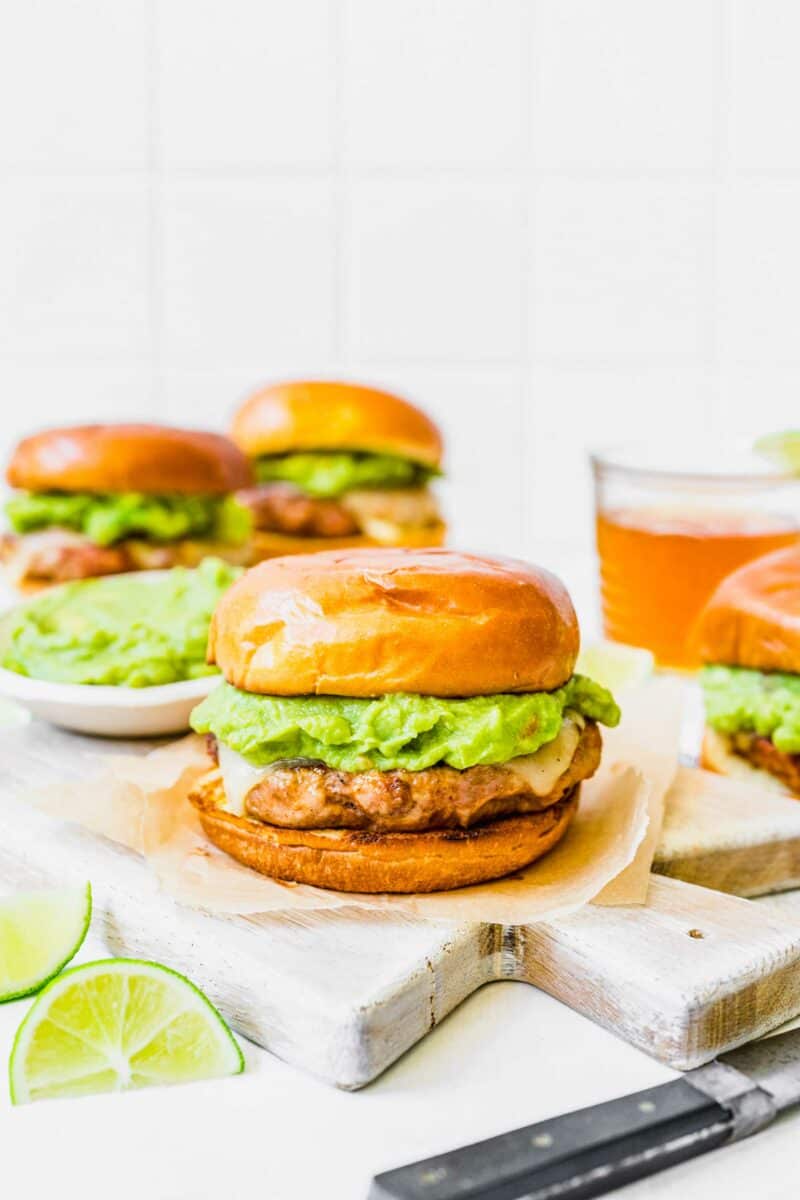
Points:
(109, 711)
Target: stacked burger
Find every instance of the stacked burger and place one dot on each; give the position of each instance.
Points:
(749, 638)
(338, 465)
(102, 499)
(396, 720)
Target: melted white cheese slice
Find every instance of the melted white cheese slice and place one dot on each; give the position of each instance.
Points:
(541, 771)
(238, 777)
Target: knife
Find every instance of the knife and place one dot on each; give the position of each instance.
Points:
(595, 1150)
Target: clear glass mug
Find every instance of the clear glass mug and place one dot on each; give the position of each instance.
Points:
(671, 523)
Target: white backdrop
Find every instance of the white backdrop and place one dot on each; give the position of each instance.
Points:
(551, 222)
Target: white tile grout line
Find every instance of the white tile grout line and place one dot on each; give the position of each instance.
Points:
(409, 172)
(720, 68)
(611, 364)
(154, 211)
(338, 14)
(528, 189)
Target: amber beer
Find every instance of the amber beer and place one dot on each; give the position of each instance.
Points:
(657, 570)
(674, 520)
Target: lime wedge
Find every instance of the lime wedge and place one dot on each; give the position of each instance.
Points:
(39, 933)
(118, 1024)
(782, 449)
(614, 665)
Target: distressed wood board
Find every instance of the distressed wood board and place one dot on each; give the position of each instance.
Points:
(344, 994)
(730, 836)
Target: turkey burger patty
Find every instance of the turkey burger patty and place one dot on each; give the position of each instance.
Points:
(311, 795)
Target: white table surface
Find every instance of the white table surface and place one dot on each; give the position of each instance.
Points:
(507, 1057)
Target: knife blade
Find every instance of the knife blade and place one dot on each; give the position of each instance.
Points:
(594, 1150)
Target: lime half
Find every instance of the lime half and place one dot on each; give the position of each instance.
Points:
(782, 449)
(115, 1025)
(39, 933)
(614, 665)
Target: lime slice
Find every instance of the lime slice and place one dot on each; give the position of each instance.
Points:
(39, 933)
(614, 665)
(118, 1024)
(782, 449)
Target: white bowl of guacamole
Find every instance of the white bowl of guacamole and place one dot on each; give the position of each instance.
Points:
(122, 656)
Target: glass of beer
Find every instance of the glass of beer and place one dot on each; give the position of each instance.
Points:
(672, 522)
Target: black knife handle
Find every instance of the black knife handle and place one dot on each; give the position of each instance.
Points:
(575, 1156)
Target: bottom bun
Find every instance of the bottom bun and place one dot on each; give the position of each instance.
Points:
(265, 544)
(349, 860)
(716, 755)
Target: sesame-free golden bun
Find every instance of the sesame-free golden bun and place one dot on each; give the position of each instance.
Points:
(353, 860)
(322, 415)
(369, 622)
(753, 617)
(153, 459)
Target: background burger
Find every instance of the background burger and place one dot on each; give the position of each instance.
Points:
(750, 632)
(339, 465)
(396, 720)
(99, 499)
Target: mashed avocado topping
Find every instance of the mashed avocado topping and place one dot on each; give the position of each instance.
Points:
(125, 630)
(739, 700)
(107, 518)
(326, 475)
(396, 731)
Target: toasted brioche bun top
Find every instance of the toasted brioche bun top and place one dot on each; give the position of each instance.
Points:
(129, 458)
(753, 618)
(368, 622)
(334, 416)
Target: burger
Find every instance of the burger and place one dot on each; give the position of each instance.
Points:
(749, 635)
(101, 499)
(394, 720)
(338, 466)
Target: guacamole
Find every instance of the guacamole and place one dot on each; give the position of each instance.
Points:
(739, 700)
(125, 630)
(396, 731)
(327, 475)
(106, 518)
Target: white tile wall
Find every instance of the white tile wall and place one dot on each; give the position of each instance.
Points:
(74, 276)
(623, 83)
(245, 83)
(621, 269)
(434, 83)
(552, 222)
(435, 270)
(247, 273)
(74, 81)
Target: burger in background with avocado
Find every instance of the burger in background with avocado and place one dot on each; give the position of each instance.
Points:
(396, 720)
(338, 465)
(749, 635)
(102, 499)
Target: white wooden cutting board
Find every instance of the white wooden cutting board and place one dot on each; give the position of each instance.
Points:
(728, 835)
(691, 974)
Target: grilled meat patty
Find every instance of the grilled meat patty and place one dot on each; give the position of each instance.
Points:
(319, 797)
(58, 556)
(762, 753)
(283, 508)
